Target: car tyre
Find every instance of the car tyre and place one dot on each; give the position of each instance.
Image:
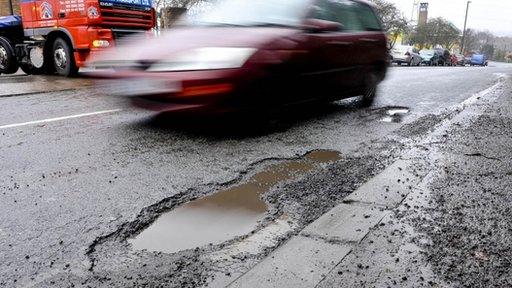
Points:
(63, 58)
(8, 62)
(370, 91)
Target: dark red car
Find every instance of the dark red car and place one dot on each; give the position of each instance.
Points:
(254, 54)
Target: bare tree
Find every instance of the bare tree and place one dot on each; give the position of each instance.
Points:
(437, 31)
(395, 23)
(170, 11)
(181, 3)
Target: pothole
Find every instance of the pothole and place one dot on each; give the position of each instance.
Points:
(395, 115)
(227, 214)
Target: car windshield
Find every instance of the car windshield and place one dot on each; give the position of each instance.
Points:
(253, 13)
(427, 52)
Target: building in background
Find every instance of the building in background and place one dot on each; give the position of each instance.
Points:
(423, 14)
(4, 7)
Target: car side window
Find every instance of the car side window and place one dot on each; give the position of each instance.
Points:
(323, 10)
(346, 15)
(369, 20)
(352, 15)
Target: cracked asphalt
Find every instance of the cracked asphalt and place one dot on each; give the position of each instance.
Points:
(74, 189)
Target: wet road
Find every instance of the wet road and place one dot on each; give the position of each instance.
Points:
(81, 169)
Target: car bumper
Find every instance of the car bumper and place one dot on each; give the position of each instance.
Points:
(400, 60)
(207, 91)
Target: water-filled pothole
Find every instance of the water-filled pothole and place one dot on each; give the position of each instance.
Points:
(227, 214)
(395, 115)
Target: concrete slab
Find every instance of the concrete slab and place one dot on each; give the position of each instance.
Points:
(302, 262)
(389, 188)
(346, 223)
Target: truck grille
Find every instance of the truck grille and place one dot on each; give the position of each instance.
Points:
(122, 36)
(127, 17)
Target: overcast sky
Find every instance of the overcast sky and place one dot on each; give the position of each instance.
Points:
(493, 15)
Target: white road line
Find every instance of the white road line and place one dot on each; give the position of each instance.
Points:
(59, 119)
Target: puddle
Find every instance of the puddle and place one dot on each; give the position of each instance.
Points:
(227, 214)
(393, 112)
(395, 115)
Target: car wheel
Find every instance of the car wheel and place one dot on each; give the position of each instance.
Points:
(63, 58)
(8, 61)
(370, 91)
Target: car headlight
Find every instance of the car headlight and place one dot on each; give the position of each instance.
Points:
(208, 58)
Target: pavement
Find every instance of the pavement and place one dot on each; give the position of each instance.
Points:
(406, 228)
(83, 173)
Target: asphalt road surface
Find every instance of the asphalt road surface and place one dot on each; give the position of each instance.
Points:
(83, 172)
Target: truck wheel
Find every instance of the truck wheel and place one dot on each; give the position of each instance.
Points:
(8, 62)
(63, 58)
(29, 69)
(40, 62)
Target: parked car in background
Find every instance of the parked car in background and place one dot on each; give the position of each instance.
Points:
(429, 57)
(444, 57)
(461, 60)
(401, 54)
(454, 60)
(252, 55)
(478, 60)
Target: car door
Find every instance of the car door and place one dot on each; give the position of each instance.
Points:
(371, 43)
(347, 42)
(332, 52)
(354, 50)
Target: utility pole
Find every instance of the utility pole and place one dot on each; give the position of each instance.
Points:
(464, 32)
(415, 4)
(11, 10)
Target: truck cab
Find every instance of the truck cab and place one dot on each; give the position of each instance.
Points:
(58, 36)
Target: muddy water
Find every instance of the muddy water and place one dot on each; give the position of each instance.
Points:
(226, 214)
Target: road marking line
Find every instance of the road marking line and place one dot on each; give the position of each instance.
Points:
(59, 118)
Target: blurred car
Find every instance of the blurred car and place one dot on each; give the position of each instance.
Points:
(254, 54)
(478, 60)
(429, 57)
(401, 54)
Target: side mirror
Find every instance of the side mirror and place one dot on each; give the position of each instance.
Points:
(318, 26)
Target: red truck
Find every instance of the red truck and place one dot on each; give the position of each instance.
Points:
(58, 36)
